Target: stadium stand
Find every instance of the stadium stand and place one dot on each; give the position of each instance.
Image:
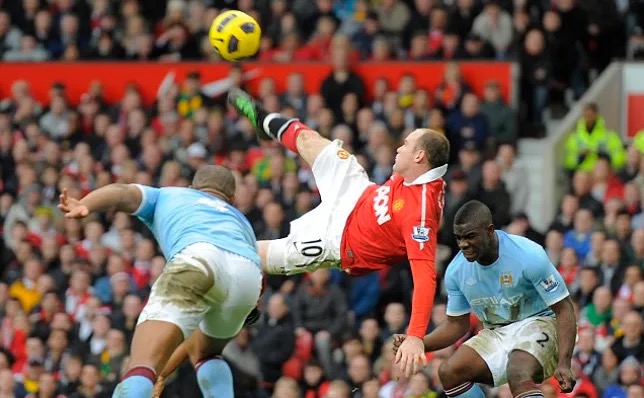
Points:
(99, 91)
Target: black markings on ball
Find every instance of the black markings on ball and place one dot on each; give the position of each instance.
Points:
(248, 27)
(225, 22)
(233, 44)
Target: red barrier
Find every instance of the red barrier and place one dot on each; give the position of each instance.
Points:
(115, 76)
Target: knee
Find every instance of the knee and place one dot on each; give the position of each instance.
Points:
(521, 376)
(452, 374)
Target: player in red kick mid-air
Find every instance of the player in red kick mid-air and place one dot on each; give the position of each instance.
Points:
(360, 226)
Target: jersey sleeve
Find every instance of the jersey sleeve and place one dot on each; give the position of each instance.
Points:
(545, 278)
(149, 197)
(422, 301)
(457, 304)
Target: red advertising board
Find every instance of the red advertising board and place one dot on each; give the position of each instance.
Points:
(635, 118)
(148, 76)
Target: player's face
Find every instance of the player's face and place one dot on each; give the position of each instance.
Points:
(473, 240)
(406, 153)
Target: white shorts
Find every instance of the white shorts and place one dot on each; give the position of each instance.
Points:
(536, 336)
(207, 287)
(314, 239)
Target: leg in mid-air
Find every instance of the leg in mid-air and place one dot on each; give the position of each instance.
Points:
(262, 250)
(340, 179)
(176, 305)
(460, 373)
(293, 134)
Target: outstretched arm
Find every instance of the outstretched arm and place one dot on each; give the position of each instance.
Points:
(412, 353)
(424, 277)
(446, 334)
(179, 355)
(122, 197)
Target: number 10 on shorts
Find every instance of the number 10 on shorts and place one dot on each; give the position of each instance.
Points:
(311, 248)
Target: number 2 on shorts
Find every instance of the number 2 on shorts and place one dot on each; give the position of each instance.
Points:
(542, 342)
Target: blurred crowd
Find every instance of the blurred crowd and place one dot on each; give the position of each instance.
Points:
(71, 291)
(560, 44)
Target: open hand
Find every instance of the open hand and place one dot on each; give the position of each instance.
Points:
(411, 355)
(71, 206)
(565, 378)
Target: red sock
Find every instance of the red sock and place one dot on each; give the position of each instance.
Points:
(141, 371)
(206, 359)
(289, 137)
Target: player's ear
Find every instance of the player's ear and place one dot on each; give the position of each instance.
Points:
(490, 229)
(420, 156)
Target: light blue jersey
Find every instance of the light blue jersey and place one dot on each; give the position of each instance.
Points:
(179, 217)
(520, 284)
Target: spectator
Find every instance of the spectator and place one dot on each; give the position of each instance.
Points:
(320, 309)
(29, 51)
(395, 320)
(244, 363)
(534, 63)
(493, 193)
(90, 386)
(608, 372)
(494, 25)
(341, 81)
(632, 342)
(591, 139)
(274, 340)
(314, 383)
(370, 338)
(500, 116)
(364, 293)
(468, 124)
(579, 237)
(455, 197)
(611, 265)
(630, 374)
(598, 312)
(585, 355)
(393, 16)
(287, 388)
(514, 176)
(452, 88)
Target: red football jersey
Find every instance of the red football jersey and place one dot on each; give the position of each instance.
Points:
(397, 221)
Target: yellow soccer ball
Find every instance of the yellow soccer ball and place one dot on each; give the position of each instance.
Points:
(235, 35)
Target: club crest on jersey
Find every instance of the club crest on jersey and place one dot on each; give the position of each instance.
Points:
(549, 284)
(506, 280)
(342, 154)
(420, 234)
(398, 205)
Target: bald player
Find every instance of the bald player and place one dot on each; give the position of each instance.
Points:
(210, 284)
(360, 226)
